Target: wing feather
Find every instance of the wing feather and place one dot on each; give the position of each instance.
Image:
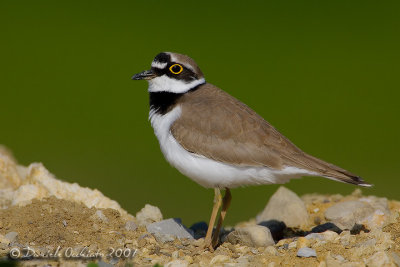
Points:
(218, 126)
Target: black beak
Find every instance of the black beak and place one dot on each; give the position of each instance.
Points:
(144, 75)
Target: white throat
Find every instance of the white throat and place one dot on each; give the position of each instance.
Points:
(167, 84)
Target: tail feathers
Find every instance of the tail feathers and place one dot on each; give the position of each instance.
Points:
(350, 179)
(336, 173)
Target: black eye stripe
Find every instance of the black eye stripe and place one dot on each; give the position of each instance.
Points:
(176, 69)
(186, 74)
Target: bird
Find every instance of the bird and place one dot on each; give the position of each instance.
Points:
(218, 141)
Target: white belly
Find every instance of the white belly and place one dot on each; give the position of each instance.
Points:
(210, 173)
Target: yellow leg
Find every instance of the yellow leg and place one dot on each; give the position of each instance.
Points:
(225, 205)
(217, 204)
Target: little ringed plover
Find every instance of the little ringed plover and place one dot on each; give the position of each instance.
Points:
(218, 141)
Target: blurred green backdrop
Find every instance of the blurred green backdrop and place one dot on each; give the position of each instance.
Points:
(325, 74)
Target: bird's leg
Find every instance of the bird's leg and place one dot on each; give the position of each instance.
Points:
(225, 205)
(217, 204)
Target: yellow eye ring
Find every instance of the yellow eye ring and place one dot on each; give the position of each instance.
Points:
(174, 66)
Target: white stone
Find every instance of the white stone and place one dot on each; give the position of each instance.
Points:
(130, 226)
(292, 245)
(330, 236)
(284, 205)
(4, 240)
(101, 216)
(168, 228)
(219, 259)
(316, 236)
(346, 214)
(306, 252)
(252, 236)
(148, 214)
(378, 259)
(271, 250)
(12, 236)
(177, 263)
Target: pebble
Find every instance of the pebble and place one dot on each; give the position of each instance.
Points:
(101, 263)
(12, 236)
(164, 238)
(198, 242)
(130, 226)
(243, 260)
(306, 252)
(242, 249)
(254, 251)
(169, 227)
(282, 242)
(330, 236)
(149, 214)
(368, 243)
(114, 261)
(302, 242)
(381, 215)
(4, 240)
(292, 245)
(252, 236)
(219, 259)
(188, 259)
(340, 258)
(101, 216)
(345, 238)
(271, 250)
(175, 254)
(285, 206)
(325, 227)
(331, 261)
(346, 214)
(275, 227)
(378, 259)
(316, 236)
(177, 263)
(395, 258)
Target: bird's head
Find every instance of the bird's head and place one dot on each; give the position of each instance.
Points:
(172, 72)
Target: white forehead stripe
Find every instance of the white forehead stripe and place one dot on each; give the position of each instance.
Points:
(159, 65)
(165, 84)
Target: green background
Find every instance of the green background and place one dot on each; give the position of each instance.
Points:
(325, 74)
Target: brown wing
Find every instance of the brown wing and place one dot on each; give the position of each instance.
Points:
(218, 126)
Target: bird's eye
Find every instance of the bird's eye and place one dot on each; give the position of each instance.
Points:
(176, 69)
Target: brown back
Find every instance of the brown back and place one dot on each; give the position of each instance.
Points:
(218, 126)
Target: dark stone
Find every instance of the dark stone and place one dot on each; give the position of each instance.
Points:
(357, 228)
(275, 227)
(325, 227)
(199, 229)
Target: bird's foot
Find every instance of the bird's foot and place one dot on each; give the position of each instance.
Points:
(207, 245)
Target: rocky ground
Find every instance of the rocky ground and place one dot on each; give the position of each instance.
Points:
(45, 221)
